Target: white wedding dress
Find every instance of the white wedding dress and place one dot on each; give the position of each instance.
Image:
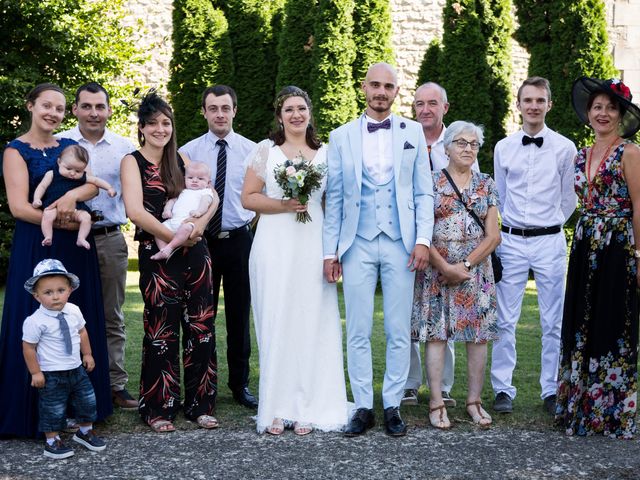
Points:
(295, 311)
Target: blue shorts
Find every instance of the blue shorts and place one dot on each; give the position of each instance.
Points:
(60, 387)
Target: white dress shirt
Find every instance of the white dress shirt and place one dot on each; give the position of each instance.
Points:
(104, 161)
(377, 155)
(377, 151)
(42, 328)
(535, 184)
(439, 158)
(204, 149)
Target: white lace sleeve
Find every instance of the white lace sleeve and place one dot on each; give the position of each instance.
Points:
(257, 159)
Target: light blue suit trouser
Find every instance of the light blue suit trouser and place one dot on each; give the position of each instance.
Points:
(361, 265)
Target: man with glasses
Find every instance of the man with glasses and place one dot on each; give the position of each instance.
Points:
(533, 170)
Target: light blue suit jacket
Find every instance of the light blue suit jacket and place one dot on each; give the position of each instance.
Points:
(411, 175)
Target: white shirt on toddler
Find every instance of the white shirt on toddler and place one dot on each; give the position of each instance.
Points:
(43, 329)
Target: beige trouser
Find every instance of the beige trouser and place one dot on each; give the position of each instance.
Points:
(113, 259)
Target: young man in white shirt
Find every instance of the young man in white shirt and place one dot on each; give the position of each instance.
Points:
(533, 170)
(106, 150)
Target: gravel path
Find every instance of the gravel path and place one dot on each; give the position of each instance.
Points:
(499, 453)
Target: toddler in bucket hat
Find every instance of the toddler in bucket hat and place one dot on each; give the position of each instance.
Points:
(50, 266)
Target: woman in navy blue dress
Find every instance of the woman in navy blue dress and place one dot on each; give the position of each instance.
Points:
(25, 161)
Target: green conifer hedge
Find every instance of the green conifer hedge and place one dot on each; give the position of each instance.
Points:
(473, 63)
(566, 39)
(254, 27)
(202, 57)
(295, 46)
(372, 36)
(334, 98)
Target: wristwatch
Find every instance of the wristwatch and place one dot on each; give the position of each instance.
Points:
(636, 253)
(467, 264)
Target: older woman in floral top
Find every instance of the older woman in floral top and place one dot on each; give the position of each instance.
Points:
(455, 297)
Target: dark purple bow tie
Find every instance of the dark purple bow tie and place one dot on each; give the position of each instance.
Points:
(372, 127)
(526, 140)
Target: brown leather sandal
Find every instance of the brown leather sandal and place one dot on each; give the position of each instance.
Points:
(442, 418)
(482, 419)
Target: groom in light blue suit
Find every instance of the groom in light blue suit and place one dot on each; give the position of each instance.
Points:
(378, 222)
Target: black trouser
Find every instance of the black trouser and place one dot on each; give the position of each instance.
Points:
(230, 263)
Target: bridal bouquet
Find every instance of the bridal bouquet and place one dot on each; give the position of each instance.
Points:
(298, 178)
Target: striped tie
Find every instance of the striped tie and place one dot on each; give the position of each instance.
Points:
(215, 225)
(66, 335)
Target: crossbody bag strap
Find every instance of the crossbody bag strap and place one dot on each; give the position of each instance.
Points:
(455, 189)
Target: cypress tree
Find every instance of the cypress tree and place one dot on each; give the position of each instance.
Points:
(474, 65)
(334, 98)
(372, 37)
(497, 28)
(566, 39)
(254, 26)
(295, 46)
(201, 57)
(431, 64)
(466, 74)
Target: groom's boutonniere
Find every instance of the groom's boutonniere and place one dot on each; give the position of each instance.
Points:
(408, 146)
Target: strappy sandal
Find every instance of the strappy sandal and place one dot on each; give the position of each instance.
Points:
(207, 422)
(160, 425)
(276, 427)
(440, 423)
(300, 428)
(481, 418)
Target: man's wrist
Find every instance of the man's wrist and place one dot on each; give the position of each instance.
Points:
(423, 241)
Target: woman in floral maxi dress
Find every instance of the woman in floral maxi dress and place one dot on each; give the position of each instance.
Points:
(597, 391)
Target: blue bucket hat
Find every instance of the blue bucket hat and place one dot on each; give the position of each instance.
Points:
(50, 266)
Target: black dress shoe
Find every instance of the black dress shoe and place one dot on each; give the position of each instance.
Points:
(361, 421)
(245, 398)
(393, 424)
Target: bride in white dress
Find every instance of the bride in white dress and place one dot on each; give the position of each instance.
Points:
(295, 310)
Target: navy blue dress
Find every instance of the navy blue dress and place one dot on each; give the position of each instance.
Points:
(18, 400)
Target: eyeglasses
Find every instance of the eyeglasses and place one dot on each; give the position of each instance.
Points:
(462, 144)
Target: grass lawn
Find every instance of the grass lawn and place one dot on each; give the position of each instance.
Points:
(528, 412)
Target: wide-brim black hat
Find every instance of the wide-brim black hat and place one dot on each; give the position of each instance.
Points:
(584, 87)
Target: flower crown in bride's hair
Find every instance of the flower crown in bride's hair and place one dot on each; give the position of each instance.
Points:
(288, 92)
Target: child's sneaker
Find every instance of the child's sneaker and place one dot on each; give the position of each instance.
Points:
(90, 440)
(58, 450)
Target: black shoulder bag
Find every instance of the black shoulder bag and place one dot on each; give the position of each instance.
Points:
(496, 263)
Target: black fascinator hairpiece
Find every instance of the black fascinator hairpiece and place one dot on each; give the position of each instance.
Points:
(132, 104)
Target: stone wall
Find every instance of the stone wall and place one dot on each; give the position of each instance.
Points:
(152, 26)
(415, 24)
